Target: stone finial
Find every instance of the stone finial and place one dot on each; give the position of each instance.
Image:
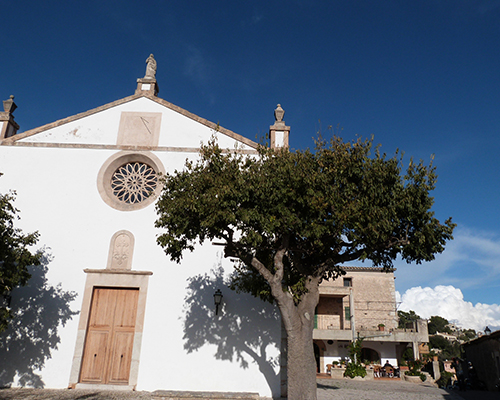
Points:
(150, 68)
(279, 113)
(9, 106)
(8, 127)
(279, 132)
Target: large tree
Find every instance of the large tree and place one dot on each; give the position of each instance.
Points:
(293, 218)
(438, 324)
(407, 319)
(15, 254)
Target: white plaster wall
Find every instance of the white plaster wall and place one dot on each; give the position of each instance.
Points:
(57, 195)
(386, 350)
(177, 130)
(338, 352)
(335, 352)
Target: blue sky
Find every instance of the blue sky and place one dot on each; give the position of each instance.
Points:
(421, 76)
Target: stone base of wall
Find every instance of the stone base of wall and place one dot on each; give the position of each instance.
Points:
(181, 395)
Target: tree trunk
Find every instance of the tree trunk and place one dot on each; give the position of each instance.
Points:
(301, 364)
(299, 324)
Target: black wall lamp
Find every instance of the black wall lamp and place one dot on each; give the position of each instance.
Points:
(217, 300)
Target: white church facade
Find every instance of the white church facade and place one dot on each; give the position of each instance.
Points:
(144, 322)
(124, 315)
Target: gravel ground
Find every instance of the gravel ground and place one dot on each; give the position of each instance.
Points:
(328, 389)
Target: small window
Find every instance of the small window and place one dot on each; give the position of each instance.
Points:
(348, 282)
(348, 313)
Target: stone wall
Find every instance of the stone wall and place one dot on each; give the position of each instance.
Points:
(374, 298)
(484, 353)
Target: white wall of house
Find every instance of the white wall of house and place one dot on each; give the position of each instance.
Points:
(338, 351)
(58, 196)
(386, 350)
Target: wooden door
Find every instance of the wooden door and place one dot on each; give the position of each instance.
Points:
(110, 335)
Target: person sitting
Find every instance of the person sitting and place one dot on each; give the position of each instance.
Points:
(389, 369)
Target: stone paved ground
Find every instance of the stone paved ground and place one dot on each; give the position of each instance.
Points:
(328, 389)
(332, 389)
(66, 394)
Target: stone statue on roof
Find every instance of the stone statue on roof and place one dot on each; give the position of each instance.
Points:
(150, 67)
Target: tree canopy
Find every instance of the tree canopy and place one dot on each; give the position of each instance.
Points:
(448, 349)
(293, 218)
(325, 208)
(467, 335)
(406, 319)
(15, 255)
(438, 324)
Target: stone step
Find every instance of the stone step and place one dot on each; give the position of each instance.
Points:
(182, 395)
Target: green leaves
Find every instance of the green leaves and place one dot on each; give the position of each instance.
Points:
(407, 319)
(15, 255)
(338, 204)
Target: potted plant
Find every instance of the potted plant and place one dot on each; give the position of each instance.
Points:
(381, 327)
(403, 367)
(355, 367)
(335, 363)
(415, 372)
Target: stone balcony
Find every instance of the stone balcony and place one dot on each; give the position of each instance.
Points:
(334, 290)
(394, 335)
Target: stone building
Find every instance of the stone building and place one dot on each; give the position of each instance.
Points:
(88, 184)
(362, 304)
(484, 354)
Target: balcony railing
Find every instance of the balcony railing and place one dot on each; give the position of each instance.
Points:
(331, 322)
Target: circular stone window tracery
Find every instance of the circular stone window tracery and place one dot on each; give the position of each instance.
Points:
(129, 181)
(134, 182)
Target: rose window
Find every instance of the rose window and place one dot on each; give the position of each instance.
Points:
(134, 182)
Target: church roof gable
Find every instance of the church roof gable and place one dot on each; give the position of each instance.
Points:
(100, 126)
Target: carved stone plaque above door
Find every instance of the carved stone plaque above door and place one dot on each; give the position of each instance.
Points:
(121, 250)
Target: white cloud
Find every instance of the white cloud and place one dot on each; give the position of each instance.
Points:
(448, 302)
(471, 260)
(195, 65)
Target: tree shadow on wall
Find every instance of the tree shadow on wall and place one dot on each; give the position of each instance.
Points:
(38, 310)
(242, 331)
